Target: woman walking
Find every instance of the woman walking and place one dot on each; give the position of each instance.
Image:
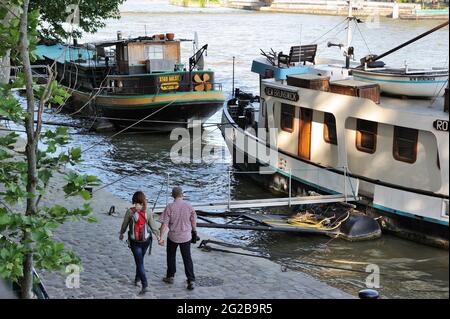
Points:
(138, 221)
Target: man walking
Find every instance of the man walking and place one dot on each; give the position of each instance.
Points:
(180, 218)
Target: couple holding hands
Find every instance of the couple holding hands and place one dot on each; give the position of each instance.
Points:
(179, 218)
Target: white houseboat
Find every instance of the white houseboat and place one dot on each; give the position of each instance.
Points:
(317, 127)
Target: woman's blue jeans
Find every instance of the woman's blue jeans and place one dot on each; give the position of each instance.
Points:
(139, 249)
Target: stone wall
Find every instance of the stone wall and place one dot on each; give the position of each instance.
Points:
(360, 8)
(331, 7)
(246, 4)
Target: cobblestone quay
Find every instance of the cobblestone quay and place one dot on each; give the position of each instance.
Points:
(108, 266)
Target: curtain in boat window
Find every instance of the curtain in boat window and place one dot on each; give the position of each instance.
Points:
(405, 144)
(287, 117)
(329, 129)
(366, 136)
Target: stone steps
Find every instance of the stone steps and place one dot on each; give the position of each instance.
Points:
(246, 4)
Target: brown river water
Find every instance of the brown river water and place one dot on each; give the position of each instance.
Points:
(407, 270)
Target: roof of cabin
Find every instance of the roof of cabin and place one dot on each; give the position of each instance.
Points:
(146, 40)
(62, 53)
(431, 107)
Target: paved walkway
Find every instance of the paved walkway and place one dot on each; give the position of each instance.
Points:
(108, 266)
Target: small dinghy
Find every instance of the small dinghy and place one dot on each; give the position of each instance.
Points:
(427, 83)
(347, 225)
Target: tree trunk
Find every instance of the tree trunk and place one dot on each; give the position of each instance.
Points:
(5, 69)
(31, 150)
(5, 61)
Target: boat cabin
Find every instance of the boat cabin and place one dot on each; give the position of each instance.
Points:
(147, 55)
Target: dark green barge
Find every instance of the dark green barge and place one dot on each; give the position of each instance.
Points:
(139, 80)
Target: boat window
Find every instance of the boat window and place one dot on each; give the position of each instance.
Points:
(264, 113)
(405, 144)
(287, 117)
(438, 161)
(154, 52)
(366, 136)
(329, 129)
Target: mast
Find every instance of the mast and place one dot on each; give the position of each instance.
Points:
(348, 51)
(349, 25)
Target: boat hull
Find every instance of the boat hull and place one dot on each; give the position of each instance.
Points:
(414, 85)
(160, 113)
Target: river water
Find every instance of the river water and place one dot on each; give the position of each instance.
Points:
(407, 270)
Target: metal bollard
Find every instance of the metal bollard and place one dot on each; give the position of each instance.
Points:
(368, 294)
(112, 210)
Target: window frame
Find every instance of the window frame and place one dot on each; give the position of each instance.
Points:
(326, 131)
(151, 50)
(395, 149)
(284, 128)
(358, 139)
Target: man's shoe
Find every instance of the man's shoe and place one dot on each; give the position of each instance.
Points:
(168, 280)
(143, 291)
(190, 285)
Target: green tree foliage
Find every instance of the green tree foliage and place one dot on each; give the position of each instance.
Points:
(92, 14)
(27, 235)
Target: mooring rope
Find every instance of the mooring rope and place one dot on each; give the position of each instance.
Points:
(203, 245)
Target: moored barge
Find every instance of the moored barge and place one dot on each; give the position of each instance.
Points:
(137, 82)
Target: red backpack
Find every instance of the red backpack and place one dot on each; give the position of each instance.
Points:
(139, 231)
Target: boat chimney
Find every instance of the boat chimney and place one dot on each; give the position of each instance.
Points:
(119, 35)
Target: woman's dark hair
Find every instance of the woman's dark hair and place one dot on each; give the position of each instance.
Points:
(139, 198)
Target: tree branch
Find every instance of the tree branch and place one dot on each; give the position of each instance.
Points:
(6, 6)
(44, 99)
(6, 206)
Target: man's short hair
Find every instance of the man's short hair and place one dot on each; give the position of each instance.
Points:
(177, 192)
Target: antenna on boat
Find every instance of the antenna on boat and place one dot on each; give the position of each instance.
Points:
(233, 79)
(301, 29)
(195, 43)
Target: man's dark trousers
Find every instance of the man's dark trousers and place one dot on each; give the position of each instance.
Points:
(187, 260)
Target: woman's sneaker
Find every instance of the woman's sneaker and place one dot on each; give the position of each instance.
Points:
(168, 280)
(190, 285)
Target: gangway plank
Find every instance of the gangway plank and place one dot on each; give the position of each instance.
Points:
(268, 202)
